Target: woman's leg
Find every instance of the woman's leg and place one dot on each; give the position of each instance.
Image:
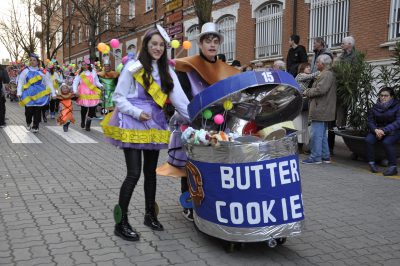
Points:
(37, 112)
(150, 185)
(91, 114)
(84, 111)
(28, 116)
(133, 162)
(389, 144)
(370, 140)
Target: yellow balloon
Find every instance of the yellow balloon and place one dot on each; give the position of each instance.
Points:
(175, 44)
(106, 49)
(228, 105)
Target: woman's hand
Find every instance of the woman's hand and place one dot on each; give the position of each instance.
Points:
(379, 133)
(144, 116)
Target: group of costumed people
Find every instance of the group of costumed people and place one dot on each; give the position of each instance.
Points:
(138, 125)
(40, 89)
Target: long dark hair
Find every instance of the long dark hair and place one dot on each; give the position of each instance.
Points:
(144, 57)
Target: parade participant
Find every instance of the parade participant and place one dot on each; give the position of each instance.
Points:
(86, 86)
(34, 88)
(109, 80)
(196, 73)
(138, 124)
(65, 116)
(57, 79)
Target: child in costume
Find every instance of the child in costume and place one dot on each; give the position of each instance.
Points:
(65, 116)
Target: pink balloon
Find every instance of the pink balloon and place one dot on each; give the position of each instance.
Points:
(124, 59)
(114, 43)
(219, 119)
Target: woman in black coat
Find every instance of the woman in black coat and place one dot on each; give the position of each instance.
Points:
(384, 125)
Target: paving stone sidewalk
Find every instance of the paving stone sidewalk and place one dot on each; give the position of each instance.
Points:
(56, 202)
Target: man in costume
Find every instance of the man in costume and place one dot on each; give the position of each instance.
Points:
(109, 79)
(196, 73)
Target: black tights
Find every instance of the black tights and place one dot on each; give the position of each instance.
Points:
(89, 111)
(133, 159)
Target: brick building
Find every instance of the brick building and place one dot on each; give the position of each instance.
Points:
(254, 30)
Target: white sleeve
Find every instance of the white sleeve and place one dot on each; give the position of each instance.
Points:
(125, 83)
(48, 82)
(178, 97)
(75, 84)
(21, 81)
(96, 80)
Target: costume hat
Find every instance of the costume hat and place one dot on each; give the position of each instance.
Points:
(210, 28)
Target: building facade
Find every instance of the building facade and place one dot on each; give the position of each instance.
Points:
(254, 30)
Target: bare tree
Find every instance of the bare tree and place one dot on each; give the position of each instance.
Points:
(25, 25)
(92, 14)
(7, 38)
(49, 12)
(203, 10)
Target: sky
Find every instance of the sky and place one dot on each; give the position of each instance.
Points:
(4, 12)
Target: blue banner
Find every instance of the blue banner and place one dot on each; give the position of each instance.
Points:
(255, 194)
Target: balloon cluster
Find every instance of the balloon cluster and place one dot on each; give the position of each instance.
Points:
(219, 119)
(185, 45)
(105, 49)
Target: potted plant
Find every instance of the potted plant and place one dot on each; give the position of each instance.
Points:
(356, 91)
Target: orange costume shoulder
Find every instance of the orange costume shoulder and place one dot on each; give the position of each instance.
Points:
(210, 72)
(108, 75)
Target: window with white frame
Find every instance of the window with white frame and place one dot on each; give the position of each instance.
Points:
(87, 31)
(118, 14)
(79, 34)
(106, 21)
(132, 9)
(149, 5)
(329, 19)
(394, 23)
(72, 36)
(191, 34)
(227, 27)
(269, 30)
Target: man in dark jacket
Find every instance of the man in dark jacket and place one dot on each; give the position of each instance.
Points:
(297, 54)
(4, 79)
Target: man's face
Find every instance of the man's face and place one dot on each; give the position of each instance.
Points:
(209, 47)
(291, 42)
(107, 68)
(317, 46)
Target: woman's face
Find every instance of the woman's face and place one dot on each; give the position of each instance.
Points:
(209, 47)
(33, 61)
(307, 70)
(384, 96)
(156, 46)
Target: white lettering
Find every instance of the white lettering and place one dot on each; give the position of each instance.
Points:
(257, 169)
(257, 217)
(283, 173)
(284, 210)
(271, 167)
(227, 180)
(218, 205)
(295, 206)
(240, 185)
(239, 218)
(267, 215)
(294, 170)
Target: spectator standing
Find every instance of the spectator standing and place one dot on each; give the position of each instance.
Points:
(4, 79)
(296, 55)
(279, 65)
(319, 49)
(322, 97)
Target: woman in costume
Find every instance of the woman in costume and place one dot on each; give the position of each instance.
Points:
(138, 124)
(109, 80)
(196, 73)
(86, 86)
(35, 89)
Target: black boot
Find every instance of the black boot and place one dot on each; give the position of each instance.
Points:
(372, 167)
(125, 230)
(88, 122)
(391, 170)
(150, 220)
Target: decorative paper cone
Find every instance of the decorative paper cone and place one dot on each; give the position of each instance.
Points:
(168, 170)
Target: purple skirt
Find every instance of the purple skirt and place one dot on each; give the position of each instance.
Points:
(125, 131)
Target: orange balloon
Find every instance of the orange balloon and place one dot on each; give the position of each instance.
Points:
(186, 45)
(101, 47)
